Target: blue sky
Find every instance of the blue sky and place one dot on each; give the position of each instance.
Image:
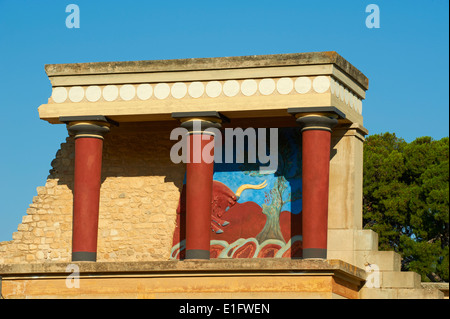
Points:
(406, 61)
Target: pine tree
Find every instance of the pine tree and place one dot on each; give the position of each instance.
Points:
(406, 200)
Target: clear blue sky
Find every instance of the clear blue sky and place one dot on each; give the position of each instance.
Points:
(406, 61)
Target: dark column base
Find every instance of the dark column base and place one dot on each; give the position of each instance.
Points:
(84, 256)
(197, 254)
(314, 253)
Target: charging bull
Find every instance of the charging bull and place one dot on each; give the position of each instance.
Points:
(223, 198)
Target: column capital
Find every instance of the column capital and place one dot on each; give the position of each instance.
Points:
(316, 118)
(88, 126)
(198, 122)
(324, 122)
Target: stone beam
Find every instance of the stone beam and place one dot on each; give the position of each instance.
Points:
(238, 87)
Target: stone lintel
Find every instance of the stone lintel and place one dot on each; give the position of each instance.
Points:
(218, 63)
(238, 87)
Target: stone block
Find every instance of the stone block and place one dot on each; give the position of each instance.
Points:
(378, 293)
(344, 255)
(22, 227)
(340, 239)
(400, 293)
(365, 239)
(419, 294)
(403, 279)
(27, 219)
(384, 260)
(41, 190)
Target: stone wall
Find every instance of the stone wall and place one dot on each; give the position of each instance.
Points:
(139, 197)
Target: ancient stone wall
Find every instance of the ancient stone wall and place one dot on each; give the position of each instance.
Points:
(139, 197)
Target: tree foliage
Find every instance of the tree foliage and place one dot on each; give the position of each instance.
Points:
(406, 200)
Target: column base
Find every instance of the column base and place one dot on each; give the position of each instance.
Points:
(84, 256)
(314, 253)
(197, 254)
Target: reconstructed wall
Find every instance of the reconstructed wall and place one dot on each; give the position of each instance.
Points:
(139, 196)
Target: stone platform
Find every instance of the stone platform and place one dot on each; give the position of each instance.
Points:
(234, 278)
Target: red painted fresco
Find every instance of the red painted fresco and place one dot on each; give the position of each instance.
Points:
(245, 220)
(215, 250)
(237, 225)
(245, 251)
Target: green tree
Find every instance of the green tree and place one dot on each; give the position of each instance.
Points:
(406, 200)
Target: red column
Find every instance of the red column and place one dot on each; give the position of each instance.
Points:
(199, 182)
(86, 192)
(86, 197)
(316, 140)
(201, 127)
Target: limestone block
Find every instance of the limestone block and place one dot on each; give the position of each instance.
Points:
(420, 294)
(340, 239)
(41, 190)
(16, 236)
(392, 293)
(403, 279)
(365, 239)
(345, 199)
(22, 227)
(384, 260)
(27, 219)
(344, 255)
(378, 293)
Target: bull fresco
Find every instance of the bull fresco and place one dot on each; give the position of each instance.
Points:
(255, 213)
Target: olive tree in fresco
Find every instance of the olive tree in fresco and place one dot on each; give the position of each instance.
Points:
(286, 181)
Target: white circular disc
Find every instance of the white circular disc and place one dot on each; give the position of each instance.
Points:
(76, 93)
(127, 92)
(213, 89)
(110, 93)
(144, 91)
(337, 89)
(321, 84)
(196, 89)
(59, 94)
(231, 88)
(266, 86)
(162, 90)
(249, 87)
(346, 96)
(178, 90)
(285, 85)
(341, 93)
(333, 86)
(302, 84)
(93, 93)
